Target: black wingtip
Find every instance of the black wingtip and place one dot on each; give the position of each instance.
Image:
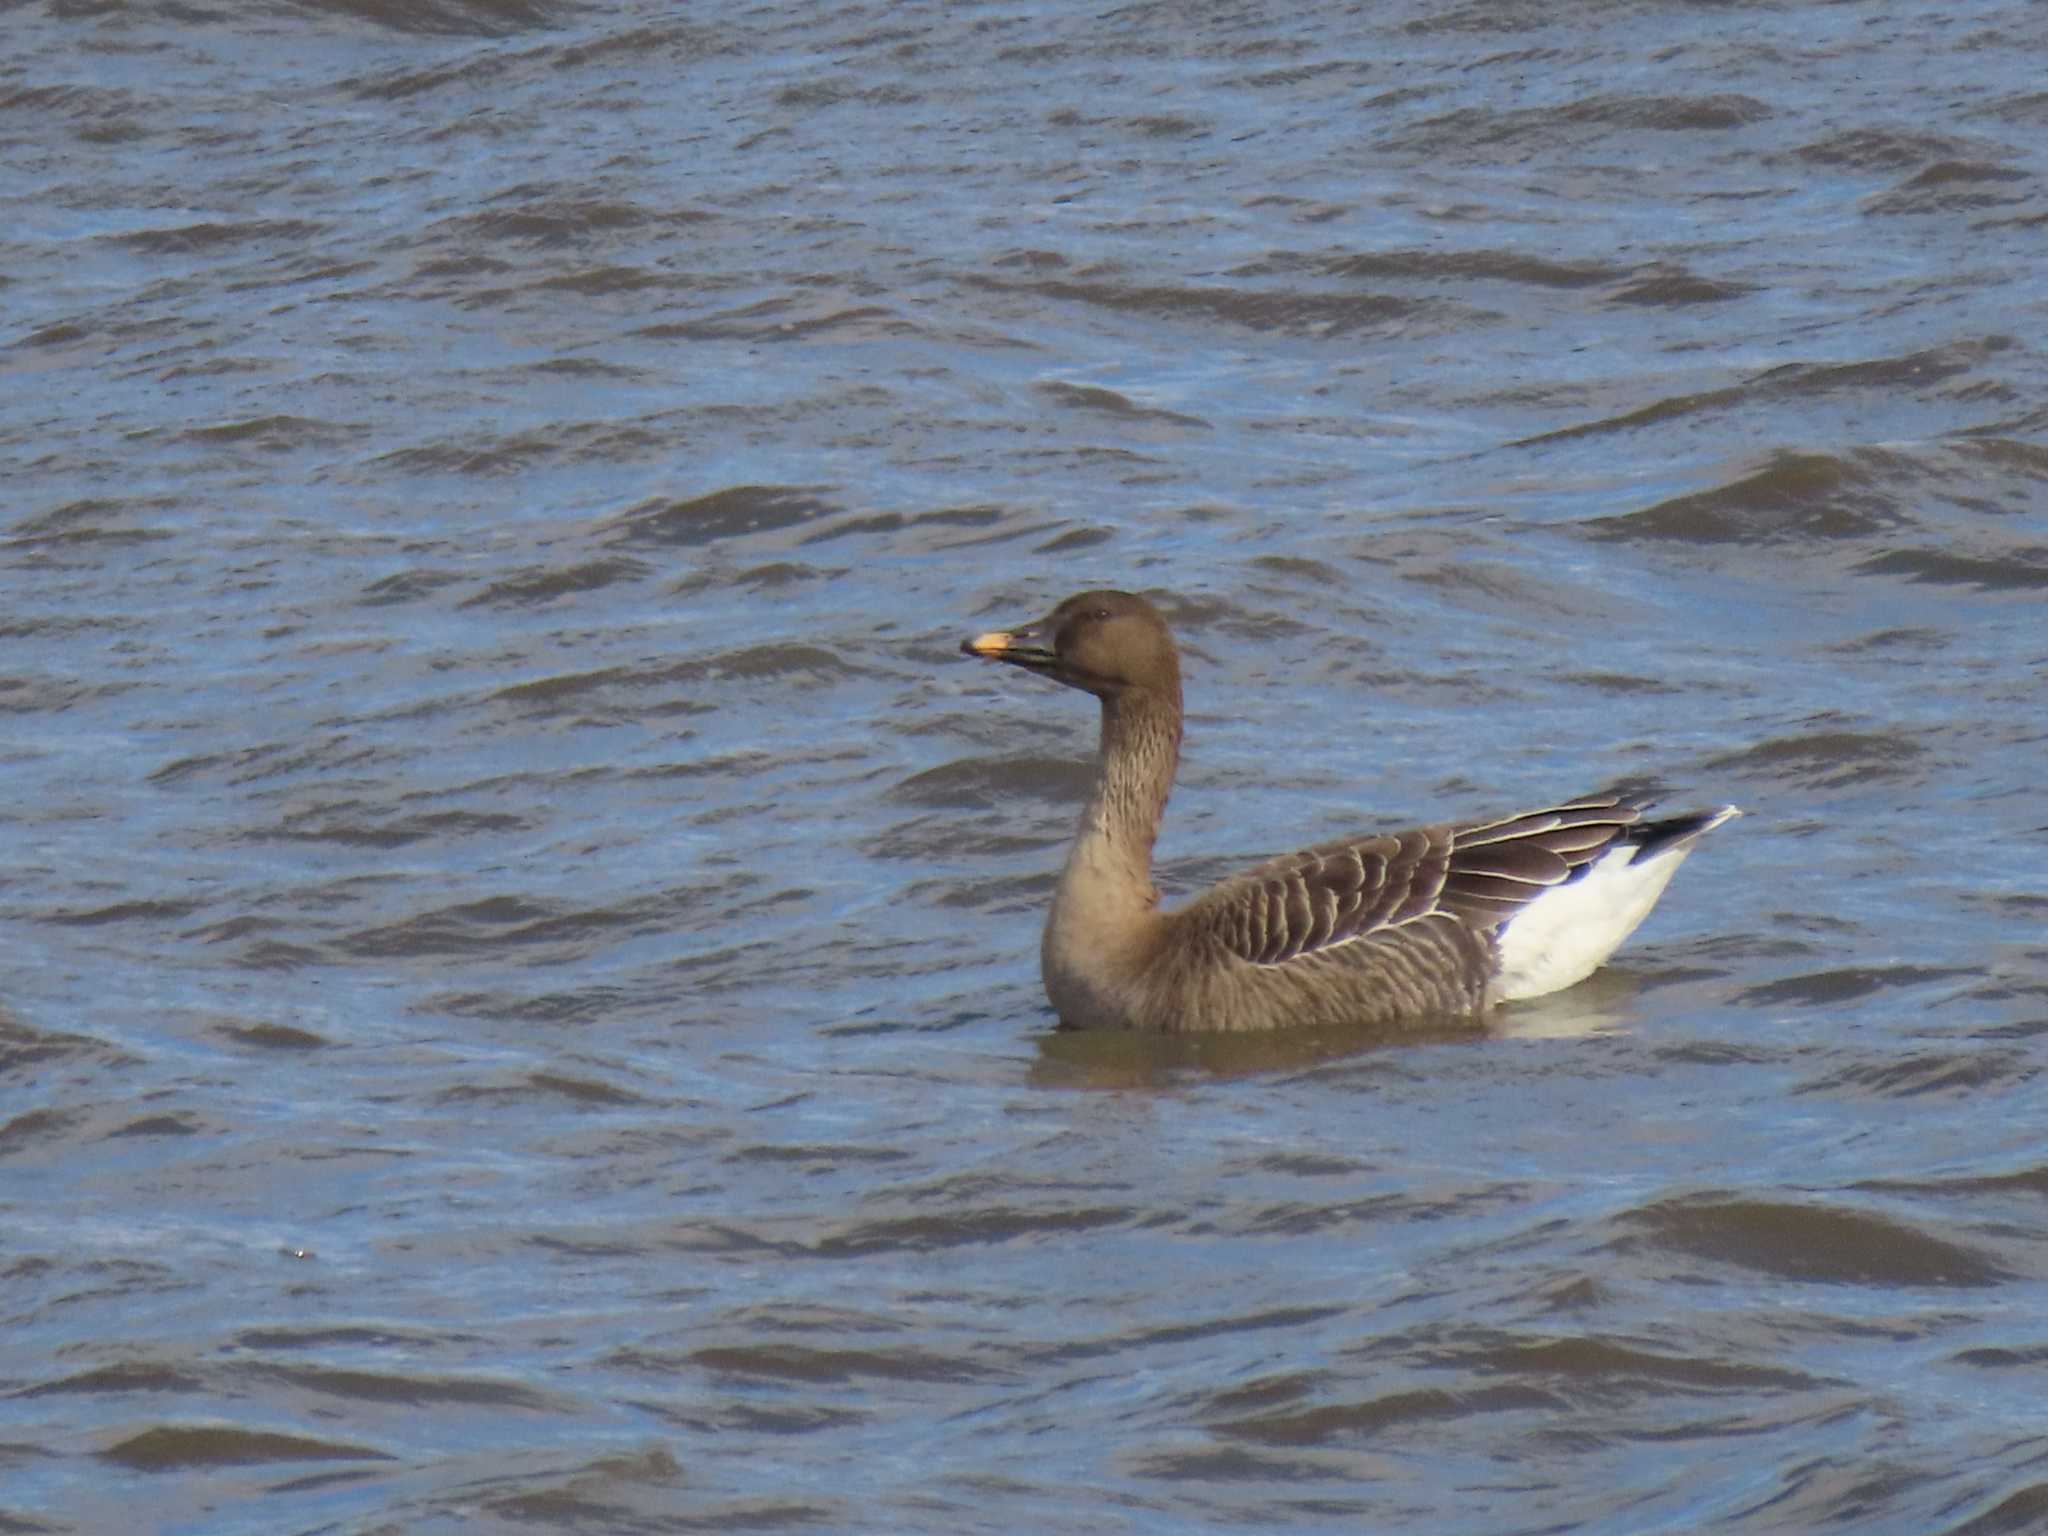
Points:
(1652, 837)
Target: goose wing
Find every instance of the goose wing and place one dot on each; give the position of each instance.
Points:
(1480, 874)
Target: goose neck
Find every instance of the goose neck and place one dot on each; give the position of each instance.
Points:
(1141, 733)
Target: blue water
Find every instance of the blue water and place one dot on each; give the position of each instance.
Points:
(520, 1001)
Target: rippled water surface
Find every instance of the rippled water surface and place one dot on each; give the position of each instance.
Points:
(518, 1006)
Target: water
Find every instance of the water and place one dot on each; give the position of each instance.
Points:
(520, 1004)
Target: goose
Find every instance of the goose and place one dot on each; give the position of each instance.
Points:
(1442, 921)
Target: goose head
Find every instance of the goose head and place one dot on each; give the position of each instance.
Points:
(1106, 643)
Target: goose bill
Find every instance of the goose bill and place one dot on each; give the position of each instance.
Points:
(1019, 647)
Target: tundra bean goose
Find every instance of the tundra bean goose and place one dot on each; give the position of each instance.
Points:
(1443, 920)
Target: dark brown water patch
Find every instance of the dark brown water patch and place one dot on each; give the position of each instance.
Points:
(1620, 683)
(94, 520)
(277, 955)
(1233, 1464)
(1089, 397)
(735, 512)
(579, 1006)
(592, 694)
(61, 334)
(764, 663)
(67, 100)
(1836, 987)
(1273, 1390)
(1530, 128)
(326, 753)
(170, 1447)
(1299, 568)
(465, 928)
(452, 18)
(481, 453)
(1671, 114)
(1950, 1075)
(1485, 16)
(816, 1159)
(541, 1087)
(1077, 539)
(1168, 125)
(157, 1125)
(538, 585)
(1311, 1165)
(801, 1362)
(543, 217)
(1573, 1293)
(41, 695)
(1827, 759)
(1496, 590)
(1391, 1413)
(26, 1050)
(1878, 149)
(202, 238)
(349, 1336)
(1822, 1494)
(2030, 1182)
(2031, 1358)
(770, 576)
(607, 1494)
(125, 912)
(2024, 569)
(2024, 1513)
(870, 525)
(1609, 1365)
(1470, 266)
(2014, 455)
(513, 923)
(414, 1390)
(1291, 311)
(37, 1131)
(990, 896)
(1924, 641)
(1914, 370)
(814, 1318)
(1298, 1217)
(810, 95)
(1821, 1244)
(599, 280)
(985, 783)
(274, 433)
(673, 39)
(272, 1037)
(1907, 371)
(990, 1225)
(407, 587)
(1032, 260)
(123, 1376)
(943, 835)
(1716, 1053)
(1674, 290)
(362, 826)
(1134, 1340)
(1794, 498)
(1951, 186)
(798, 319)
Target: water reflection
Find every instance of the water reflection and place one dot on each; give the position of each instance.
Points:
(1609, 1002)
(1120, 1059)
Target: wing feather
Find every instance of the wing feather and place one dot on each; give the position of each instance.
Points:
(1479, 874)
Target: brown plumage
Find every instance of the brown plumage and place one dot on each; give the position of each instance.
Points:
(1376, 929)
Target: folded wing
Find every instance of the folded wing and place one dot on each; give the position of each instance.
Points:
(1338, 893)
